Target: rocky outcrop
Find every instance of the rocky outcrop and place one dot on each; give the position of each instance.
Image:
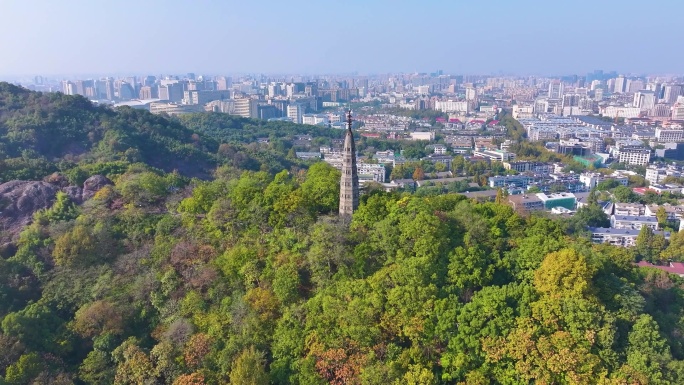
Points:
(19, 200)
(74, 193)
(93, 185)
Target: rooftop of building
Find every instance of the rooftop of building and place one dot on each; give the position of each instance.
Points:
(628, 205)
(666, 186)
(561, 195)
(524, 198)
(672, 267)
(622, 232)
(592, 157)
(634, 218)
(509, 177)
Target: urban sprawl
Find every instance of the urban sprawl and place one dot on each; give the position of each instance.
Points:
(616, 130)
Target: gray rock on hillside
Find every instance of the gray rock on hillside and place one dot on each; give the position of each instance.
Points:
(93, 185)
(19, 200)
(74, 193)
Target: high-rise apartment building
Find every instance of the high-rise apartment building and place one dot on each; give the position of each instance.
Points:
(471, 94)
(571, 100)
(68, 88)
(109, 89)
(620, 84)
(290, 90)
(146, 93)
(78, 87)
(555, 89)
(646, 100)
(634, 85)
(295, 112)
(671, 92)
(598, 94)
(281, 106)
(266, 111)
(656, 88)
(171, 91)
(247, 108)
(223, 83)
(125, 91)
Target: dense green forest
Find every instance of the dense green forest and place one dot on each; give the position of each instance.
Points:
(207, 266)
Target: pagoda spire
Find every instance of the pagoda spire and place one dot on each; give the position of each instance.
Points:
(349, 181)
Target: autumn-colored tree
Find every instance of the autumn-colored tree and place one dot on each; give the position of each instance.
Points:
(548, 359)
(418, 174)
(98, 318)
(264, 302)
(340, 366)
(196, 349)
(133, 365)
(190, 379)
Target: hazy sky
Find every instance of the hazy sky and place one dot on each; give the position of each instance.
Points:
(65, 37)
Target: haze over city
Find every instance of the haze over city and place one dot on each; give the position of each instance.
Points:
(508, 37)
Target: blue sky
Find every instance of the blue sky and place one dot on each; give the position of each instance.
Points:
(324, 36)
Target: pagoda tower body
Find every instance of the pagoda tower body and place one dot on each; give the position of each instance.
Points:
(349, 181)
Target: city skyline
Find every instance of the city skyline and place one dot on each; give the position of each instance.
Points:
(522, 38)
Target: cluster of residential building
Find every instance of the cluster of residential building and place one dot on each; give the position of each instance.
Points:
(584, 136)
(549, 176)
(628, 219)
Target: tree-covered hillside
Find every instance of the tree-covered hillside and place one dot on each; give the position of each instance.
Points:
(249, 277)
(45, 132)
(42, 133)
